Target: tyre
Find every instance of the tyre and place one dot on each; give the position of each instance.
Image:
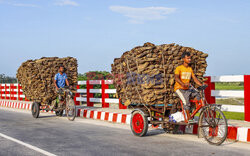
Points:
(70, 109)
(213, 125)
(35, 109)
(139, 123)
(59, 113)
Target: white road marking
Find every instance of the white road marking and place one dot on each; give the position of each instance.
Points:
(27, 145)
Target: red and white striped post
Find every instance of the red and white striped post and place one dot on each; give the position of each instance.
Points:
(19, 87)
(211, 86)
(14, 92)
(247, 97)
(77, 95)
(11, 91)
(6, 92)
(1, 91)
(89, 95)
(104, 95)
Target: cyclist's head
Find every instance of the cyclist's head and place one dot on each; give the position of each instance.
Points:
(61, 68)
(186, 57)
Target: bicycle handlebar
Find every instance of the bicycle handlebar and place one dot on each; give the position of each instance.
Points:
(203, 87)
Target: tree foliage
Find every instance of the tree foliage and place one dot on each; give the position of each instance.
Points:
(7, 79)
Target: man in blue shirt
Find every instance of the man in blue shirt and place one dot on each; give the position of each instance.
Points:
(60, 81)
(61, 78)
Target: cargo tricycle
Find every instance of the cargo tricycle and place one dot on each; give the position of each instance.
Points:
(212, 124)
(65, 104)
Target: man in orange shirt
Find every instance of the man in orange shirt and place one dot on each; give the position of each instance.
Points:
(183, 75)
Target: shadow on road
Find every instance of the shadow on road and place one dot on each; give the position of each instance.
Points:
(48, 116)
(153, 132)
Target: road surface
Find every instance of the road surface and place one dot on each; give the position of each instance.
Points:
(20, 134)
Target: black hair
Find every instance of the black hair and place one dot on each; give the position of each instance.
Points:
(61, 65)
(185, 54)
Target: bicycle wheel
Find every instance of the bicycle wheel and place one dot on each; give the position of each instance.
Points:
(70, 109)
(213, 125)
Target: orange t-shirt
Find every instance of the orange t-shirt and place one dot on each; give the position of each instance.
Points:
(185, 74)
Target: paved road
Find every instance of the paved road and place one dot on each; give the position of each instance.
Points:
(89, 137)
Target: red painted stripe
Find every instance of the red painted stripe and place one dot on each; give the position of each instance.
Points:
(232, 133)
(91, 115)
(195, 129)
(248, 135)
(124, 116)
(99, 115)
(106, 116)
(78, 112)
(114, 117)
(85, 113)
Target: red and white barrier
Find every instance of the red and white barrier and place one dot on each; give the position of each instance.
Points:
(105, 116)
(234, 133)
(104, 90)
(16, 104)
(211, 93)
(12, 92)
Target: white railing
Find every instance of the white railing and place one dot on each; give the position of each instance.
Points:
(229, 93)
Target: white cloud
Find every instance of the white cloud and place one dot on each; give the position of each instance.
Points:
(140, 15)
(66, 2)
(24, 5)
(13, 3)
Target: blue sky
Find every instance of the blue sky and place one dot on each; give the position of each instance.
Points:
(97, 31)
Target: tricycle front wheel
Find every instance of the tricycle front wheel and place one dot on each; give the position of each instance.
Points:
(70, 109)
(213, 125)
(139, 123)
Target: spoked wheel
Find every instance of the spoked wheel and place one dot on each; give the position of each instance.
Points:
(70, 109)
(213, 125)
(139, 123)
(35, 109)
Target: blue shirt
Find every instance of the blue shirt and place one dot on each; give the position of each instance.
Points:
(60, 80)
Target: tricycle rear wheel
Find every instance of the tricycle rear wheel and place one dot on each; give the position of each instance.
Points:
(139, 123)
(35, 109)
